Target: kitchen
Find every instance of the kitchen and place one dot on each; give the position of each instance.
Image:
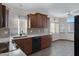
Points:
(27, 32)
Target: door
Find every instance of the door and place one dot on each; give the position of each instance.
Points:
(77, 35)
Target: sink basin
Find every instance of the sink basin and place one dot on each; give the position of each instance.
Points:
(19, 36)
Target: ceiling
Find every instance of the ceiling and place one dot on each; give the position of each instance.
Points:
(52, 9)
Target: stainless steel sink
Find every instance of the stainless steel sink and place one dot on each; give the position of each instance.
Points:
(20, 36)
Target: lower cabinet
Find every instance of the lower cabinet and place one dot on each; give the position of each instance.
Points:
(25, 44)
(33, 44)
(45, 41)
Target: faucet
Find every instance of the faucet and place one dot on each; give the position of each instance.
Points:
(21, 33)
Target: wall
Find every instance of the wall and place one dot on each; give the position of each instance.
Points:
(13, 22)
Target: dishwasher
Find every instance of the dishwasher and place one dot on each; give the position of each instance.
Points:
(36, 44)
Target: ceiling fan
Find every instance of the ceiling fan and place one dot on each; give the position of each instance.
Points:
(68, 14)
(72, 13)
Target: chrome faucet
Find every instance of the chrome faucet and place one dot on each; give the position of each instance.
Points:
(21, 33)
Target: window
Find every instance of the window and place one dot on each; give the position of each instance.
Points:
(62, 27)
(23, 24)
(70, 22)
(70, 19)
(54, 26)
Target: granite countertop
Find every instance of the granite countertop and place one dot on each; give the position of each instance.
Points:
(8, 39)
(28, 36)
(5, 39)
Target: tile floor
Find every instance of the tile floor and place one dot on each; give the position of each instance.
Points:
(58, 48)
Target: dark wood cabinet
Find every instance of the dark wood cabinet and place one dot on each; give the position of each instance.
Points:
(38, 20)
(33, 44)
(2, 15)
(45, 41)
(25, 44)
(33, 21)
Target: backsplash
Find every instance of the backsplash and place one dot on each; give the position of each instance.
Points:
(38, 30)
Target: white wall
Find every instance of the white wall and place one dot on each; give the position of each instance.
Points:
(13, 22)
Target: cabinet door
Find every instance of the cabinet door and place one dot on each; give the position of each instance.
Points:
(39, 21)
(0, 15)
(4, 15)
(33, 21)
(25, 44)
(45, 21)
(19, 43)
(45, 41)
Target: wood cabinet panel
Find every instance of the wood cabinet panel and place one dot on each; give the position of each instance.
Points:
(25, 44)
(4, 15)
(44, 21)
(33, 21)
(19, 43)
(38, 20)
(46, 41)
(0, 15)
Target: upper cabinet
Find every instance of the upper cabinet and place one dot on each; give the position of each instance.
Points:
(3, 15)
(38, 20)
(0, 15)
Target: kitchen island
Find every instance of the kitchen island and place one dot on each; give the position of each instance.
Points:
(32, 43)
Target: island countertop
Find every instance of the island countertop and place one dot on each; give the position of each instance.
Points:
(28, 36)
